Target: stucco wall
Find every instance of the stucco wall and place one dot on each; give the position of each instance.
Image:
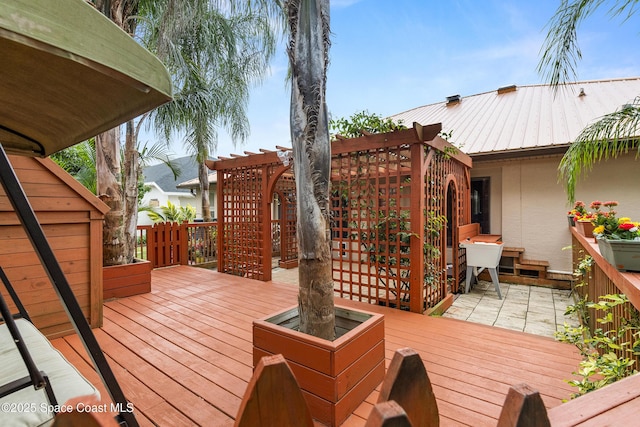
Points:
(528, 205)
(163, 198)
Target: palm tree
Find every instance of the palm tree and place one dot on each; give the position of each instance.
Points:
(613, 134)
(116, 187)
(215, 54)
(188, 41)
(308, 22)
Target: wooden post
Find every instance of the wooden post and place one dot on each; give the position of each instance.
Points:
(273, 397)
(416, 280)
(220, 220)
(407, 383)
(184, 243)
(152, 246)
(388, 414)
(523, 407)
(265, 210)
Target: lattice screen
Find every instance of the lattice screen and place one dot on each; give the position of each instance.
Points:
(240, 224)
(389, 197)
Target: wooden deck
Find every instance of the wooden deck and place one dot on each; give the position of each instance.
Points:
(183, 353)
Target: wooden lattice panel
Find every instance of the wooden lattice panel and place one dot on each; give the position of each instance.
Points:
(444, 179)
(389, 193)
(371, 227)
(286, 188)
(240, 226)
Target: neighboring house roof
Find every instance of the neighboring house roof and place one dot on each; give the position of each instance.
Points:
(164, 178)
(516, 121)
(195, 183)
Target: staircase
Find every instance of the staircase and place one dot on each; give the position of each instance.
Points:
(515, 268)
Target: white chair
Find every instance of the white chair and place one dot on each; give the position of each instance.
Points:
(482, 255)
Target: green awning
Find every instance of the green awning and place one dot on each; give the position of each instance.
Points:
(67, 73)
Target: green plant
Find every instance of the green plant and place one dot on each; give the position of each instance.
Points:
(361, 123)
(608, 353)
(170, 213)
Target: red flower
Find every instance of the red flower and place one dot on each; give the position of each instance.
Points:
(595, 204)
(610, 204)
(626, 226)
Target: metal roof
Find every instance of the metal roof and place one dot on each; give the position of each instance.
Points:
(532, 118)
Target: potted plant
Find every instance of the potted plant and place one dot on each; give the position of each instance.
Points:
(579, 209)
(584, 220)
(618, 238)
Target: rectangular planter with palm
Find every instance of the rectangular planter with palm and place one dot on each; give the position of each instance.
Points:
(335, 376)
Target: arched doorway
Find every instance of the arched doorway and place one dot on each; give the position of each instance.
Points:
(452, 214)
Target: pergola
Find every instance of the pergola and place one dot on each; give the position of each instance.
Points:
(397, 200)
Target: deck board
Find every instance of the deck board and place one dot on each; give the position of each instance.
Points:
(183, 353)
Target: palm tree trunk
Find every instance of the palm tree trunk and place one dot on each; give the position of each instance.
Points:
(110, 192)
(131, 171)
(308, 55)
(119, 229)
(203, 176)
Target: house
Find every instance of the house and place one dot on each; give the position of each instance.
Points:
(193, 185)
(516, 136)
(164, 186)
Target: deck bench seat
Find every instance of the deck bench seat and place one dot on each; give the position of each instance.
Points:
(30, 407)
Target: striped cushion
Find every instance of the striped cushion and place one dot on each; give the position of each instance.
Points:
(30, 407)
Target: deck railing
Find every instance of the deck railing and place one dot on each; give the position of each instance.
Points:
(406, 398)
(192, 243)
(167, 244)
(604, 279)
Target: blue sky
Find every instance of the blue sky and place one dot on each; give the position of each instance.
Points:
(388, 56)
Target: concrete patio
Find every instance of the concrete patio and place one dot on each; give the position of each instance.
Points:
(532, 309)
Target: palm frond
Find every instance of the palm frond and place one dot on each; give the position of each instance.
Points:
(560, 50)
(612, 135)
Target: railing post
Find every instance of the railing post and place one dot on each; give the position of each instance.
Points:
(273, 397)
(407, 383)
(523, 407)
(388, 414)
(152, 246)
(184, 243)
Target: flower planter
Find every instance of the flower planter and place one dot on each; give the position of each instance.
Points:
(585, 228)
(335, 376)
(622, 254)
(126, 280)
(570, 218)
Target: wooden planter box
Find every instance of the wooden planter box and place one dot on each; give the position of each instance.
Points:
(335, 376)
(585, 228)
(126, 280)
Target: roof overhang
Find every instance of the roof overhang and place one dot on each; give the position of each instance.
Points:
(520, 153)
(67, 73)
